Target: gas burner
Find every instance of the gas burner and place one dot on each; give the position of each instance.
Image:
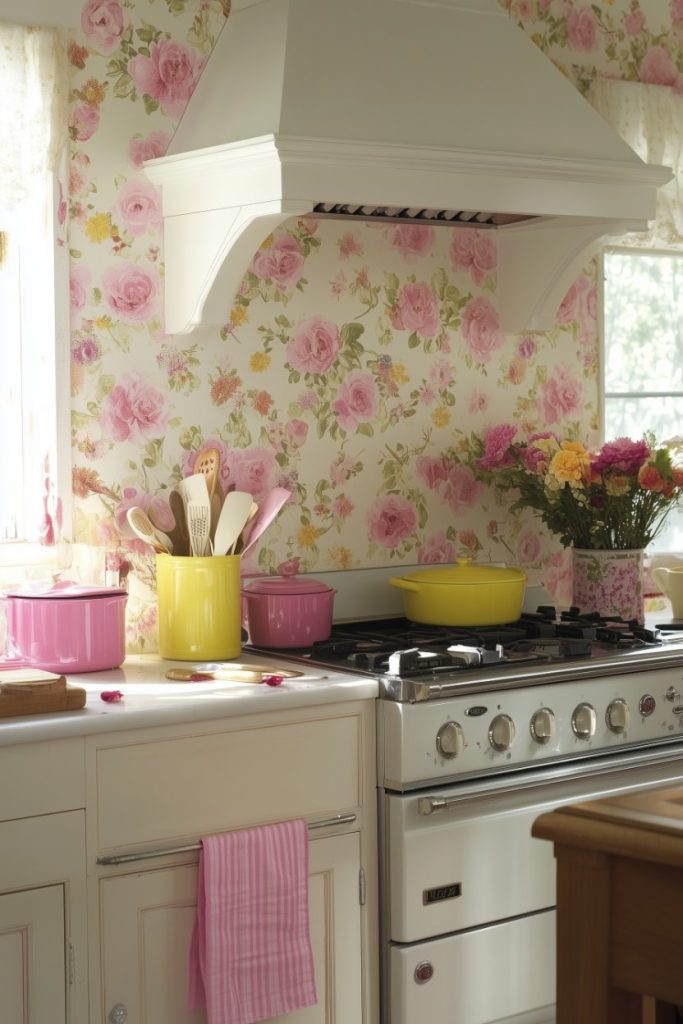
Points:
(414, 661)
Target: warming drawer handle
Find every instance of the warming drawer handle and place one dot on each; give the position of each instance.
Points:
(128, 858)
(430, 804)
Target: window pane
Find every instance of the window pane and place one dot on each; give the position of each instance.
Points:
(643, 322)
(632, 417)
(10, 397)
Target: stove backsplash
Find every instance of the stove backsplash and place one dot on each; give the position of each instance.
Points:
(354, 357)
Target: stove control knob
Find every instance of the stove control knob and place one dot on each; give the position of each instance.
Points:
(543, 725)
(584, 721)
(501, 732)
(617, 715)
(450, 740)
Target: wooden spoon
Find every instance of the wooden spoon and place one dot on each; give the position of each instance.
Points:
(142, 527)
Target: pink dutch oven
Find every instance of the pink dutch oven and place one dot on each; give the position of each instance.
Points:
(286, 611)
(66, 627)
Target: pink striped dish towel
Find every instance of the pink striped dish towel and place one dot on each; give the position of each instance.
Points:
(250, 954)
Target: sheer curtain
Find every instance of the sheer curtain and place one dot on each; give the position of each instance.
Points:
(32, 111)
(650, 119)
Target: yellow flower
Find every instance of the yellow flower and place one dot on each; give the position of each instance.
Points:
(341, 557)
(398, 374)
(441, 417)
(569, 465)
(103, 322)
(259, 362)
(308, 535)
(617, 485)
(238, 315)
(93, 92)
(98, 227)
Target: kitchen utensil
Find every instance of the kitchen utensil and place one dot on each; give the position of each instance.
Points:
(208, 463)
(179, 535)
(66, 627)
(143, 527)
(193, 488)
(231, 674)
(198, 525)
(232, 520)
(31, 692)
(287, 611)
(216, 504)
(198, 603)
(465, 594)
(671, 582)
(265, 515)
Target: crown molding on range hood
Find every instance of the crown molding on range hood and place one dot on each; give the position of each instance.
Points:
(412, 105)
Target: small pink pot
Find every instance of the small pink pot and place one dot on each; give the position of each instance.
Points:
(285, 611)
(67, 627)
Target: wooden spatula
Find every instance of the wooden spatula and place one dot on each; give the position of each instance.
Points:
(209, 464)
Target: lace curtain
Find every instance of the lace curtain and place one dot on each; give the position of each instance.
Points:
(33, 108)
(650, 119)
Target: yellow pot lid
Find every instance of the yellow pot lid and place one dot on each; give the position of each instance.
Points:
(466, 572)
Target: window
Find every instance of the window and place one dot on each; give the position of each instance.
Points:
(34, 363)
(643, 354)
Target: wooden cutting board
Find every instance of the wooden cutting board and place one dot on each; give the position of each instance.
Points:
(29, 691)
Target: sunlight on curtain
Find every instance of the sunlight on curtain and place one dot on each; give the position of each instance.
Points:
(650, 119)
(33, 108)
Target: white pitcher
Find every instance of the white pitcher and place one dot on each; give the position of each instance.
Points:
(671, 582)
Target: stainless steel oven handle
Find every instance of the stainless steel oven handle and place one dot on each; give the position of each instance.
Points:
(169, 851)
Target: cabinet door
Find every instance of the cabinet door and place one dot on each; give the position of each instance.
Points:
(147, 921)
(32, 969)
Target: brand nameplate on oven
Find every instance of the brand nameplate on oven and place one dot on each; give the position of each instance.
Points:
(441, 892)
(476, 711)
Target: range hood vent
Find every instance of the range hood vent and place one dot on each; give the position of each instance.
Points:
(429, 110)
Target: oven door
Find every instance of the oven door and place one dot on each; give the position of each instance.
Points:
(468, 894)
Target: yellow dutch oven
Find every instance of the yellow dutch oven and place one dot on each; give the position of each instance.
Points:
(465, 594)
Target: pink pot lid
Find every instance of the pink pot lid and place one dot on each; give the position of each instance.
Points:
(63, 589)
(286, 585)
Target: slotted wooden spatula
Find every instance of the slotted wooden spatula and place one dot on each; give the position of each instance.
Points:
(208, 463)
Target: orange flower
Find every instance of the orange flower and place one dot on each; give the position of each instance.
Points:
(650, 478)
(262, 402)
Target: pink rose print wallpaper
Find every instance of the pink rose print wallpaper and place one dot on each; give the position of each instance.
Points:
(355, 359)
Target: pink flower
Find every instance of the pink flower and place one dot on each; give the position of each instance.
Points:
(138, 207)
(86, 351)
(527, 347)
(431, 470)
(561, 396)
(417, 310)
(168, 75)
(497, 441)
(481, 329)
(436, 549)
(442, 373)
(462, 489)
(103, 23)
(582, 29)
(85, 122)
(580, 303)
(621, 456)
(634, 22)
(391, 520)
(79, 282)
(148, 148)
(342, 508)
(474, 251)
(349, 245)
(357, 400)
(657, 67)
(412, 240)
(131, 291)
(133, 410)
(297, 432)
(478, 402)
(252, 470)
(528, 546)
(282, 262)
(533, 458)
(313, 346)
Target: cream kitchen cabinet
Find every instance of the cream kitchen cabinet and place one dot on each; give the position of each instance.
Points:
(43, 942)
(153, 793)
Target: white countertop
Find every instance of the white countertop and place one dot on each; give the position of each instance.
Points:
(150, 699)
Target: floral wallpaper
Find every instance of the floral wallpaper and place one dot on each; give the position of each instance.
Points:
(354, 362)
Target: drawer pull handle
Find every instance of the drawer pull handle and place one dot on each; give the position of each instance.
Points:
(127, 858)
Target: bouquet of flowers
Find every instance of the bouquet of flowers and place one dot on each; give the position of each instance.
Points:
(615, 499)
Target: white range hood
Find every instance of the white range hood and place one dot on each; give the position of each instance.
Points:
(438, 109)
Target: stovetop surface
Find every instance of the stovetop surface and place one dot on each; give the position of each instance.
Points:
(409, 656)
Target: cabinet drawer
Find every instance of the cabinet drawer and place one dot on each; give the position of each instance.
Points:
(186, 786)
(41, 778)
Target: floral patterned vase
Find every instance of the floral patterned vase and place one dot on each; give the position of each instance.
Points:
(609, 582)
